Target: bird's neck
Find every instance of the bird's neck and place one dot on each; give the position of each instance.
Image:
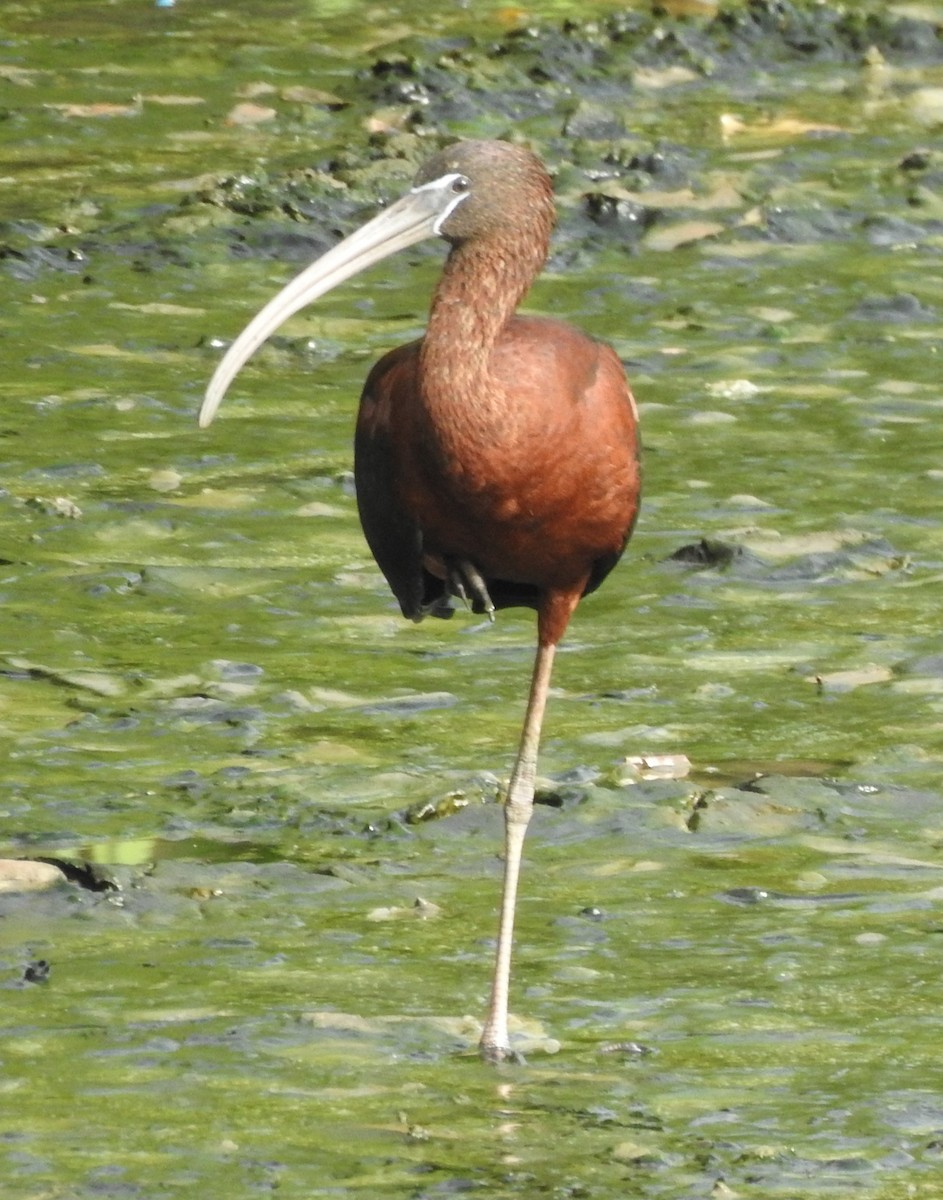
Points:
(480, 289)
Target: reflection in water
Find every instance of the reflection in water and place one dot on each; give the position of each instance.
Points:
(233, 1020)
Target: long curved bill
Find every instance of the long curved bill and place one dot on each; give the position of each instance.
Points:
(417, 215)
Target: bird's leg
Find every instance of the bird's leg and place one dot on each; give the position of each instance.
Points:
(465, 578)
(495, 1044)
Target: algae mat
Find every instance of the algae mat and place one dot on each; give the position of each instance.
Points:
(276, 803)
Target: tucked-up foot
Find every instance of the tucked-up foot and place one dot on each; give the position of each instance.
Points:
(466, 582)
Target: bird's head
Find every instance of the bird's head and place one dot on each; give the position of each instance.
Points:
(470, 190)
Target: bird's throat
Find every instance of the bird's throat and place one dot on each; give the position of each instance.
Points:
(480, 289)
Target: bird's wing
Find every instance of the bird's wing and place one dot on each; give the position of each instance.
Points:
(392, 533)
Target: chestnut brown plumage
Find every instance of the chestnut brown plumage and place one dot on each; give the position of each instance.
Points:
(496, 458)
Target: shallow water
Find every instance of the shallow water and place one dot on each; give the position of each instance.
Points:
(207, 691)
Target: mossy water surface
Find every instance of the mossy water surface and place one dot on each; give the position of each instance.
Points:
(208, 694)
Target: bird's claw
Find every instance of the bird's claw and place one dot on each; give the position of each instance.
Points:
(496, 1055)
(467, 582)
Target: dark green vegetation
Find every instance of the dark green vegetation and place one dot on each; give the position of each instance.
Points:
(207, 692)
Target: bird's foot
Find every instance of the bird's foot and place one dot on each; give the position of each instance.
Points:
(467, 582)
(494, 1055)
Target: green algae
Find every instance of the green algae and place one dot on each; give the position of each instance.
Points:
(205, 687)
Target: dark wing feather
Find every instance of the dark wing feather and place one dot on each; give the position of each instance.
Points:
(391, 532)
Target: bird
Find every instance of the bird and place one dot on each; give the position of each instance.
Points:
(497, 457)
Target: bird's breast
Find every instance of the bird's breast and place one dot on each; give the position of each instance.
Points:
(528, 469)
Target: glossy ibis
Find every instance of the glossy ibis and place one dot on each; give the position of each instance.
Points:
(496, 458)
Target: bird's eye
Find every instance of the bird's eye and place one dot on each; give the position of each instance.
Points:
(460, 184)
